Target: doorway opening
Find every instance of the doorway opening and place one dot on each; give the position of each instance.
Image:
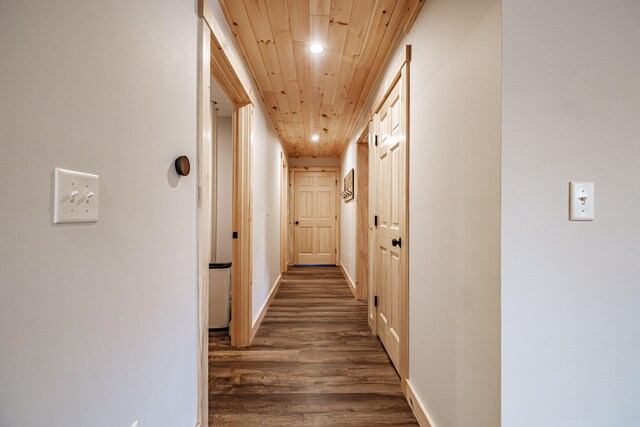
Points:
(216, 59)
(221, 187)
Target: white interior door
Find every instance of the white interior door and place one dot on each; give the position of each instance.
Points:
(314, 229)
(390, 209)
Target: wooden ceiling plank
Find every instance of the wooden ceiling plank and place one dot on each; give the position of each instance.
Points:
(299, 20)
(377, 32)
(239, 22)
(258, 16)
(258, 13)
(303, 73)
(398, 23)
(357, 85)
(340, 11)
(279, 19)
(285, 110)
(261, 26)
(361, 14)
(338, 24)
(393, 33)
(272, 106)
(236, 14)
(293, 93)
(284, 49)
(323, 94)
(398, 26)
(381, 16)
(319, 32)
(327, 119)
(319, 7)
(298, 130)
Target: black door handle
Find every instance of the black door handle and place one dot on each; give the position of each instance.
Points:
(396, 242)
(297, 222)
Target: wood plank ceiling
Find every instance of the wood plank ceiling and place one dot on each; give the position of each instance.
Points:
(321, 94)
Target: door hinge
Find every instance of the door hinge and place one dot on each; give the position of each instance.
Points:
(335, 250)
(375, 220)
(375, 301)
(375, 140)
(235, 235)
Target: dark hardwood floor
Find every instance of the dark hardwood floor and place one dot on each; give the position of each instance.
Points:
(313, 362)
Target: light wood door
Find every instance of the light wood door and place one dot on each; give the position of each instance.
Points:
(314, 229)
(390, 208)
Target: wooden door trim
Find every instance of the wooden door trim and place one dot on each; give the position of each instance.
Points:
(203, 223)
(223, 66)
(216, 58)
(362, 217)
(242, 201)
(372, 315)
(224, 62)
(213, 180)
(284, 213)
(292, 205)
(315, 168)
(401, 75)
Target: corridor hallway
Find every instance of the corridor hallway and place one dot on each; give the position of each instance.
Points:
(313, 362)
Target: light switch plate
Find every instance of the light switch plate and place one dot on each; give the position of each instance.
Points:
(581, 201)
(75, 197)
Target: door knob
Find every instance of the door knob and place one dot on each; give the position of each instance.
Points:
(182, 165)
(297, 222)
(396, 242)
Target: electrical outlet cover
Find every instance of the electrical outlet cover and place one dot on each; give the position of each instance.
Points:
(75, 197)
(581, 201)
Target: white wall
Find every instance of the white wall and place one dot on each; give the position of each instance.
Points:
(571, 294)
(266, 209)
(266, 188)
(224, 184)
(98, 322)
(348, 213)
(454, 231)
(454, 208)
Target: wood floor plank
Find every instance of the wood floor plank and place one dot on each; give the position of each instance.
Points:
(313, 362)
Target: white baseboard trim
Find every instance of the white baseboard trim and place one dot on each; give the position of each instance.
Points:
(419, 410)
(349, 279)
(265, 307)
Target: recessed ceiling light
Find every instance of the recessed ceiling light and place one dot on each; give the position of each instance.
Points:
(316, 48)
(315, 137)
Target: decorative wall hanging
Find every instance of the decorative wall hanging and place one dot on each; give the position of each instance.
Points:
(347, 192)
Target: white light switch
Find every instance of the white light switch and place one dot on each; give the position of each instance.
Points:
(581, 201)
(75, 197)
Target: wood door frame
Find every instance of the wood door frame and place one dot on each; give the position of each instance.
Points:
(400, 73)
(362, 215)
(216, 58)
(284, 213)
(213, 191)
(203, 224)
(292, 202)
